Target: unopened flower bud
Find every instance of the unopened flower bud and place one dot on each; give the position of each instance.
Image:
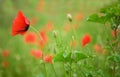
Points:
(54, 34)
(69, 16)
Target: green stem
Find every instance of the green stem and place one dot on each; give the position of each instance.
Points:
(54, 70)
(45, 69)
(70, 69)
(43, 48)
(82, 71)
(74, 32)
(36, 32)
(64, 69)
(114, 71)
(114, 64)
(44, 65)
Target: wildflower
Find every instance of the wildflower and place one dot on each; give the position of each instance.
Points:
(41, 43)
(49, 26)
(41, 4)
(48, 58)
(43, 39)
(5, 53)
(30, 38)
(20, 24)
(5, 64)
(73, 43)
(36, 53)
(98, 48)
(43, 36)
(86, 39)
(79, 17)
(113, 33)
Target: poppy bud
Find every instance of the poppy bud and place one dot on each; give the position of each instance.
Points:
(69, 16)
(54, 34)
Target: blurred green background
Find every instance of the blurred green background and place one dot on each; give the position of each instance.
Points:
(40, 13)
(44, 11)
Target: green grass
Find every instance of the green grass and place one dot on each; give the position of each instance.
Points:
(55, 11)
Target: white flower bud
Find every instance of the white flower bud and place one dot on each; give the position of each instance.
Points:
(69, 16)
(54, 34)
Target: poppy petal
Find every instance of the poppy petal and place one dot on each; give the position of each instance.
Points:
(20, 24)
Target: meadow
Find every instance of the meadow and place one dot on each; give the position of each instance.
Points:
(61, 38)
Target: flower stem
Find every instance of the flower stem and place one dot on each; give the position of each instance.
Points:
(36, 32)
(54, 70)
(43, 49)
(73, 30)
(70, 69)
(64, 70)
(114, 64)
(45, 69)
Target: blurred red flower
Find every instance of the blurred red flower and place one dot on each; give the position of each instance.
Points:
(98, 48)
(48, 58)
(20, 24)
(79, 17)
(5, 64)
(36, 53)
(86, 39)
(113, 33)
(43, 36)
(44, 39)
(41, 43)
(49, 26)
(5, 53)
(73, 43)
(33, 20)
(30, 38)
(41, 5)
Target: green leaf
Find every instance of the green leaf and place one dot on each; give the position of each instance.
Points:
(114, 58)
(96, 18)
(79, 56)
(100, 19)
(62, 57)
(93, 18)
(113, 10)
(69, 56)
(59, 57)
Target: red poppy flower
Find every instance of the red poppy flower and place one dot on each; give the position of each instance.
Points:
(86, 39)
(5, 64)
(79, 17)
(98, 48)
(41, 4)
(30, 38)
(49, 26)
(41, 43)
(43, 36)
(20, 24)
(113, 33)
(48, 58)
(43, 40)
(36, 53)
(5, 53)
